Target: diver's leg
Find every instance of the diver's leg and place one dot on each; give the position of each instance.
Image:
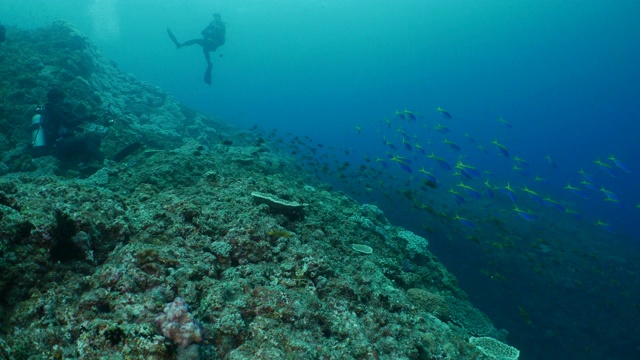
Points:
(93, 152)
(173, 38)
(193, 42)
(68, 149)
(207, 74)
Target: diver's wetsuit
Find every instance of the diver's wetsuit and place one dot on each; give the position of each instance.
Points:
(59, 126)
(213, 36)
(208, 46)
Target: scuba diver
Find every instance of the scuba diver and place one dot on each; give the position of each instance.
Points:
(213, 36)
(53, 131)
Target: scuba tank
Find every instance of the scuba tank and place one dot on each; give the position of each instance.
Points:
(38, 140)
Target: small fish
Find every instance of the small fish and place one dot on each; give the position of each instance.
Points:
(574, 214)
(469, 138)
(605, 226)
(444, 112)
(527, 215)
(452, 145)
(525, 316)
(586, 176)
(589, 185)
(279, 233)
(442, 162)
(540, 180)
(462, 172)
(469, 190)
(381, 162)
(468, 169)
(431, 184)
(551, 162)
(619, 163)
(606, 168)
(442, 129)
(457, 196)
(465, 222)
(533, 195)
(505, 123)
(489, 188)
(403, 163)
(409, 115)
(576, 191)
(388, 143)
(523, 163)
(521, 171)
(428, 175)
(511, 194)
(501, 148)
(609, 194)
(406, 144)
(615, 202)
(554, 204)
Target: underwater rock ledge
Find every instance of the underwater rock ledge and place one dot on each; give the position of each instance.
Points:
(167, 255)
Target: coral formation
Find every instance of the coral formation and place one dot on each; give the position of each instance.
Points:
(177, 324)
(415, 244)
(292, 208)
(362, 248)
(495, 349)
(470, 318)
(102, 263)
(431, 302)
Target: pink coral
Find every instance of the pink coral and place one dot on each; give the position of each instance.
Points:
(177, 324)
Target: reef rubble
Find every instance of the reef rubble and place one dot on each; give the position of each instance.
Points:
(166, 254)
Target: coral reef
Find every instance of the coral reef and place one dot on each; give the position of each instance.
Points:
(415, 244)
(102, 263)
(495, 349)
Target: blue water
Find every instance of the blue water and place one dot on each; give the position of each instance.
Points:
(564, 74)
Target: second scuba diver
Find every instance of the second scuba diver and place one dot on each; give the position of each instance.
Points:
(54, 132)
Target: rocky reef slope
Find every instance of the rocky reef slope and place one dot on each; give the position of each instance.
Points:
(203, 244)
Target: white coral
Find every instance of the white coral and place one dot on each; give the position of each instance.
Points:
(494, 348)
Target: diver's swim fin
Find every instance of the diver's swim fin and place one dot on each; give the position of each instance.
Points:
(128, 150)
(173, 38)
(207, 74)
